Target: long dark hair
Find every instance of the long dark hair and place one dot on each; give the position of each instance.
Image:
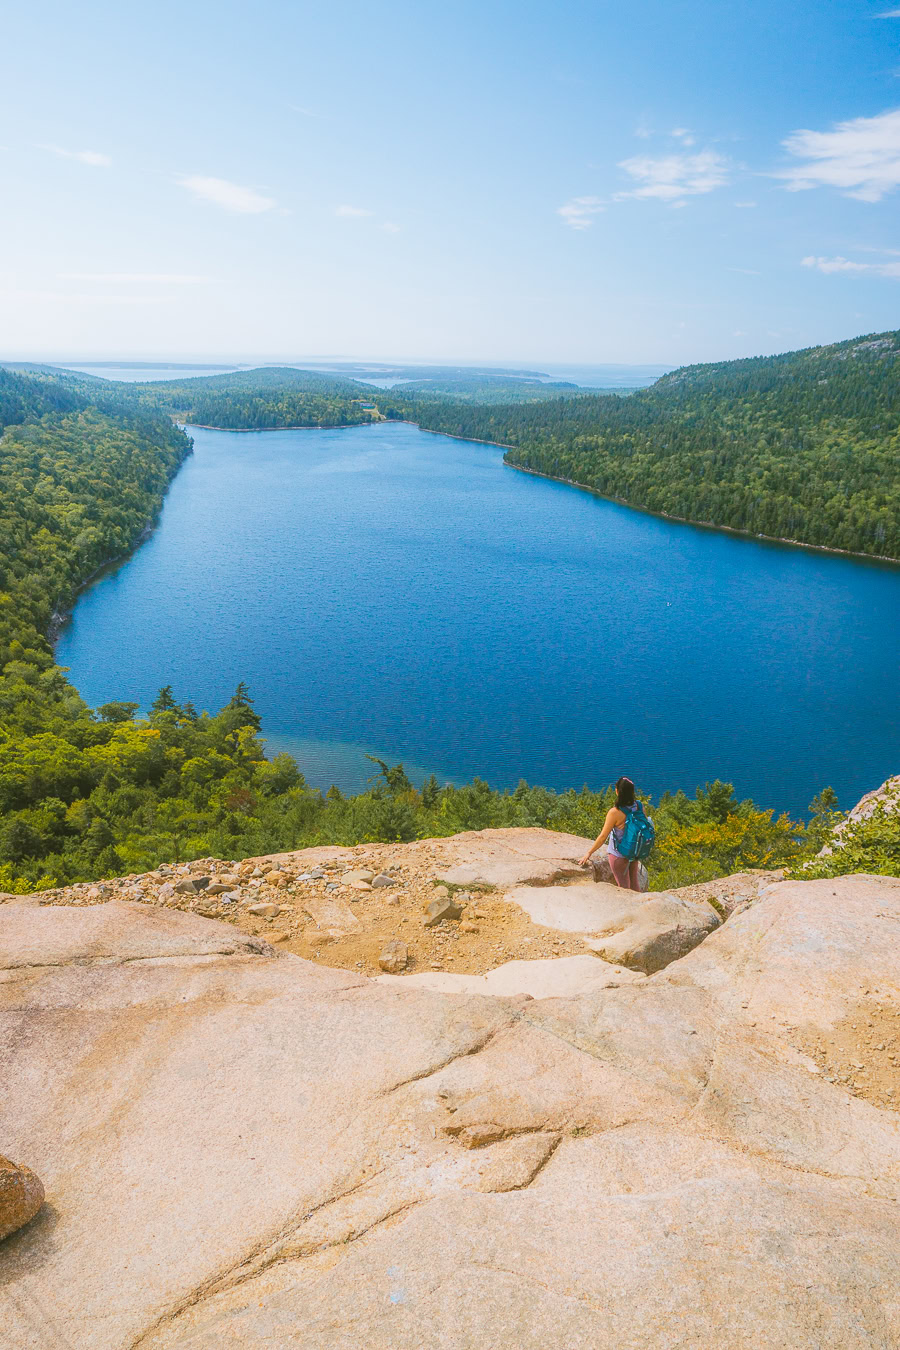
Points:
(624, 793)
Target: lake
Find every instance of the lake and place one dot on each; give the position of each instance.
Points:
(389, 591)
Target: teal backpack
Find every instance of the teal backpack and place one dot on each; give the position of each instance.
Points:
(638, 834)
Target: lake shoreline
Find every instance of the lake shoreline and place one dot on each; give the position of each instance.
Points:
(700, 524)
(59, 618)
(250, 431)
(661, 515)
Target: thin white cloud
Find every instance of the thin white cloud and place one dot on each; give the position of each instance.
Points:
(230, 196)
(744, 206)
(92, 157)
(130, 278)
(306, 112)
(356, 212)
(860, 157)
(674, 177)
(684, 135)
(580, 211)
(889, 14)
(390, 228)
(848, 266)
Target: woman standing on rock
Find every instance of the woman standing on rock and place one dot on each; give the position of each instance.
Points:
(628, 829)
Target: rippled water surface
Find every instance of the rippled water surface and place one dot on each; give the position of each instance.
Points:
(386, 590)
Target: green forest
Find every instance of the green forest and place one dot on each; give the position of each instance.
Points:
(87, 793)
(257, 400)
(803, 446)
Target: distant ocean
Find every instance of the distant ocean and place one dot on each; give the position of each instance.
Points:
(587, 377)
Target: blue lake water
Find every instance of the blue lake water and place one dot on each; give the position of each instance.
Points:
(387, 590)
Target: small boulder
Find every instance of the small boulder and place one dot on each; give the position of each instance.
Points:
(359, 874)
(383, 880)
(165, 892)
(217, 888)
(21, 1196)
(394, 957)
(441, 909)
(191, 885)
(266, 910)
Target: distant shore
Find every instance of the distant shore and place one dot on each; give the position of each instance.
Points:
(335, 426)
(700, 524)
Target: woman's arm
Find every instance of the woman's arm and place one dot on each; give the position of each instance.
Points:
(614, 818)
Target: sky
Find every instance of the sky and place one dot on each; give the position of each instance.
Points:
(487, 181)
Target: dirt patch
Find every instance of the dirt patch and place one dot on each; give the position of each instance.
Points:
(503, 932)
(491, 931)
(861, 1053)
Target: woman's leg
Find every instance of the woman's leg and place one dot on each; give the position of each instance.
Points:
(620, 868)
(634, 875)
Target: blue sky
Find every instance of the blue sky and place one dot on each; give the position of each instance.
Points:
(587, 182)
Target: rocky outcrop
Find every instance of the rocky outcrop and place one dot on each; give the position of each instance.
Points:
(642, 932)
(520, 857)
(21, 1196)
(243, 1148)
(885, 798)
(450, 901)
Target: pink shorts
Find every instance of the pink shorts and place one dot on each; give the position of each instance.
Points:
(626, 871)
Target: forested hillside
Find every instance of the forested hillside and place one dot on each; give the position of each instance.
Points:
(481, 389)
(258, 400)
(804, 446)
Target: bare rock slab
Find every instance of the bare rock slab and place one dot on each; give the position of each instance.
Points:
(250, 1151)
(116, 931)
(513, 857)
(560, 977)
(644, 933)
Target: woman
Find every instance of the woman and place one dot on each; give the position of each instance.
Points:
(625, 870)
